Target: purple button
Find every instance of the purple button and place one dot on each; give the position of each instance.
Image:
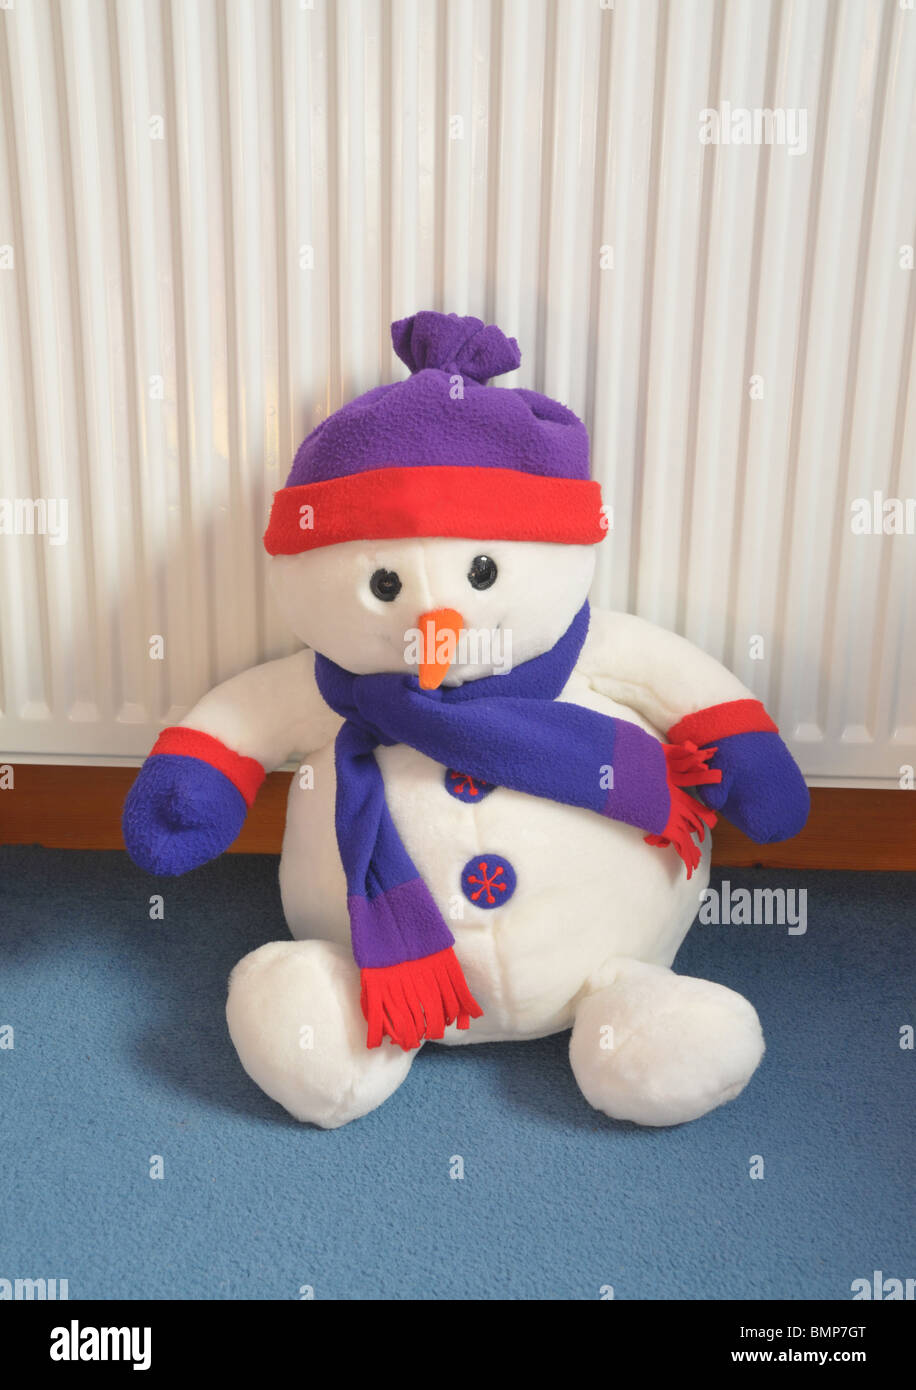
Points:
(463, 787)
(488, 880)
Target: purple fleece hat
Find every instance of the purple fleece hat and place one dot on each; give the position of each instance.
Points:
(442, 453)
(421, 423)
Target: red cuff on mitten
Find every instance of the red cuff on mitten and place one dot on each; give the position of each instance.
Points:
(245, 774)
(720, 721)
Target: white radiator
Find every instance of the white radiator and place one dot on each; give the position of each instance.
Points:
(210, 213)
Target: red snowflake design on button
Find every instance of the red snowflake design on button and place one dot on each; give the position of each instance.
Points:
(466, 787)
(488, 881)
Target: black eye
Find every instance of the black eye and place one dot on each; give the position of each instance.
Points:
(386, 585)
(483, 572)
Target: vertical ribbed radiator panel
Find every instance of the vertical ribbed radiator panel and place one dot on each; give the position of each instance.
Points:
(210, 212)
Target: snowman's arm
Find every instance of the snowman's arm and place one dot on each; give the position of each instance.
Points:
(193, 792)
(688, 696)
(268, 712)
(655, 672)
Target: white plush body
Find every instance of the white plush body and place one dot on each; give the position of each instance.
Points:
(589, 890)
(587, 938)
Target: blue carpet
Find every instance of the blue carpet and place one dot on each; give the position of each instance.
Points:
(121, 1052)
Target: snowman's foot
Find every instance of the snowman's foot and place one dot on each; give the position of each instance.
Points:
(294, 1016)
(660, 1048)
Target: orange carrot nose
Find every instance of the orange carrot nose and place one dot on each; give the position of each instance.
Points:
(439, 644)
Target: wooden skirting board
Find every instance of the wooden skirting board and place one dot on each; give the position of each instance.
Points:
(80, 808)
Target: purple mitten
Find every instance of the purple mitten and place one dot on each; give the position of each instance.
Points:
(762, 790)
(188, 803)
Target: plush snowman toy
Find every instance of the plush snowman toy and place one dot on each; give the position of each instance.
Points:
(494, 834)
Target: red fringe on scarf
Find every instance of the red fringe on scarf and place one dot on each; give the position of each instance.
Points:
(416, 999)
(686, 766)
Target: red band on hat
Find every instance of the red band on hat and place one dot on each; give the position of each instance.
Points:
(721, 721)
(245, 774)
(472, 503)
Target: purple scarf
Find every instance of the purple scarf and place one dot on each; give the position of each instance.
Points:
(510, 731)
